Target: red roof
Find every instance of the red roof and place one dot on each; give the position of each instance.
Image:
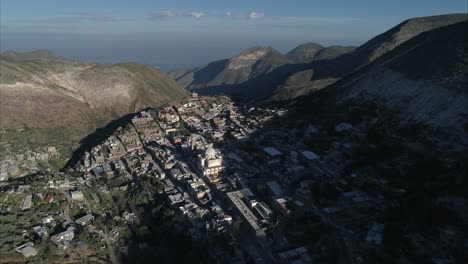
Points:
(49, 198)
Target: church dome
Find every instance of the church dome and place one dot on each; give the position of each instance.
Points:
(210, 153)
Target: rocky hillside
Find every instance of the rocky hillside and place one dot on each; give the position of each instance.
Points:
(41, 92)
(320, 73)
(423, 81)
(221, 76)
(307, 68)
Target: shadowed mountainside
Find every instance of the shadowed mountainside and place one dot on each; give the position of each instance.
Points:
(262, 73)
(423, 81)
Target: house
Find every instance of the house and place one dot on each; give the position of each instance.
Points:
(95, 198)
(48, 199)
(63, 237)
(40, 231)
(48, 220)
(308, 156)
(27, 202)
(77, 196)
(27, 249)
(272, 155)
(175, 199)
(84, 220)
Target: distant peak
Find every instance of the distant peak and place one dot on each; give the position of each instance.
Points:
(308, 45)
(305, 51)
(257, 50)
(37, 54)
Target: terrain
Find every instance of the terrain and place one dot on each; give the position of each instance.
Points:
(46, 99)
(366, 165)
(419, 89)
(307, 68)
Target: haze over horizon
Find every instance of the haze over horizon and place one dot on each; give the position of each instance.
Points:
(177, 34)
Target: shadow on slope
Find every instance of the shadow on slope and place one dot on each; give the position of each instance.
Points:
(97, 137)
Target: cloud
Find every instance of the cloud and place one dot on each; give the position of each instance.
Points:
(255, 15)
(161, 14)
(84, 18)
(228, 14)
(197, 14)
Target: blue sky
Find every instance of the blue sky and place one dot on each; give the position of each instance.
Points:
(184, 33)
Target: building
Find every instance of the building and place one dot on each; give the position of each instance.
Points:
(48, 199)
(298, 255)
(84, 220)
(77, 196)
(27, 249)
(308, 156)
(95, 198)
(61, 238)
(40, 231)
(241, 201)
(27, 202)
(272, 155)
(275, 188)
(175, 199)
(48, 220)
(262, 209)
(199, 189)
(211, 164)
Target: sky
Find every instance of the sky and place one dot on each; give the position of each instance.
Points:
(186, 33)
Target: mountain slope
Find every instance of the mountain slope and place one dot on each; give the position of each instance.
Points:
(216, 76)
(424, 81)
(307, 68)
(43, 94)
(313, 51)
(305, 52)
(37, 54)
(326, 72)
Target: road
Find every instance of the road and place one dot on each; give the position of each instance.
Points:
(66, 210)
(109, 245)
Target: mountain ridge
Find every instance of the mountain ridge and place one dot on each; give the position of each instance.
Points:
(44, 94)
(271, 81)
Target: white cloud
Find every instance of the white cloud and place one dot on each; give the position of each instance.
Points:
(197, 14)
(161, 14)
(84, 18)
(228, 14)
(255, 15)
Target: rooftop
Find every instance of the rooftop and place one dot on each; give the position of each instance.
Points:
(271, 151)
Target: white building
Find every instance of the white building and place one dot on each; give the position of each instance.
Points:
(27, 249)
(211, 162)
(77, 196)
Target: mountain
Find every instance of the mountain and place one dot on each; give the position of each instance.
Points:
(321, 73)
(220, 76)
(37, 54)
(313, 51)
(307, 68)
(333, 52)
(305, 52)
(422, 81)
(42, 94)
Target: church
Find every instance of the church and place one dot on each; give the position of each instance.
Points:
(211, 163)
